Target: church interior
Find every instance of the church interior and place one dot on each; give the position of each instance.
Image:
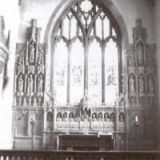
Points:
(80, 75)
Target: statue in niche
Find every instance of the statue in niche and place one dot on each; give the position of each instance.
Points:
(32, 49)
(49, 117)
(94, 117)
(141, 84)
(100, 116)
(131, 83)
(20, 84)
(140, 53)
(40, 83)
(71, 117)
(77, 117)
(64, 116)
(39, 101)
(150, 84)
(121, 117)
(30, 84)
(59, 117)
(106, 117)
(112, 117)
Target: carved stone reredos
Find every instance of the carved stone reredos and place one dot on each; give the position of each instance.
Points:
(139, 33)
(34, 31)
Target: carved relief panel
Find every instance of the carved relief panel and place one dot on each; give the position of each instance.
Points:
(142, 82)
(142, 73)
(30, 70)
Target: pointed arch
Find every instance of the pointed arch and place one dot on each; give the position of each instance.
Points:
(62, 9)
(86, 26)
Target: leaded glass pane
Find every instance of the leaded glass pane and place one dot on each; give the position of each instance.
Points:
(60, 73)
(77, 72)
(85, 30)
(111, 72)
(65, 27)
(94, 73)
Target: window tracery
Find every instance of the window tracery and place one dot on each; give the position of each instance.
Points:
(86, 56)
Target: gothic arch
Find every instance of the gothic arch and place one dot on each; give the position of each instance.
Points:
(63, 7)
(111, 11)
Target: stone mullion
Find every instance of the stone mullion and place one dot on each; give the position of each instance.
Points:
(103, 73)
(86, 47)
(120, 75)
(69, 74)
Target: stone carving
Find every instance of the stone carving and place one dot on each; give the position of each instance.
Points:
(20, 84)
(131, 56)
(64, 117)
(32, 52)
(94, 117)
(121, 117)
(49, 117)
(100, 116)
(150, 84)
(140, 52)
(59, 117)
(30, 63)
(85, 114)
(40, 84)
(30, 84)
(106, 117)
(131, 83)
(141, 84)
(71, 117)
(139, 32)
(33, 36)
(150, 54)
(112, 117)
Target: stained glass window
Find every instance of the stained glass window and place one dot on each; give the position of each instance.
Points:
(86, 56)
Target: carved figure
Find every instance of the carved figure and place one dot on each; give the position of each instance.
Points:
(30, 84)
(71, 117)
(20, 84)
(40, 83)
(140, 53)
(141, 84)
(131, 84)
(59, 117)
(94, 116)
(65, 116)
(49, 117)
(150, 84)
(106, 117)
(32, 50)
(100, 117)
(121, 117)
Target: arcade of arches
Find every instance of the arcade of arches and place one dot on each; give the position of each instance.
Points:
(86, 75)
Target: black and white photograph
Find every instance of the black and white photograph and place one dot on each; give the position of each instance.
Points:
(80, 79)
